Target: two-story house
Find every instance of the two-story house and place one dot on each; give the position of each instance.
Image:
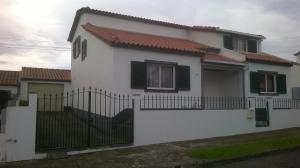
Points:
(133, 55)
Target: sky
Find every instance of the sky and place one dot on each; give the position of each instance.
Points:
(34, 32)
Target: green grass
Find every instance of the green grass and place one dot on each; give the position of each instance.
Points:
(251, 147)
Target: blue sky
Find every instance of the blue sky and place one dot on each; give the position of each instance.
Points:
(34, 32)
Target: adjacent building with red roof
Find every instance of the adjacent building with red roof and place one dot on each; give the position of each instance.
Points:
(35, 80)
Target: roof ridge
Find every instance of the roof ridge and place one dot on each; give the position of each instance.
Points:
(45, 68)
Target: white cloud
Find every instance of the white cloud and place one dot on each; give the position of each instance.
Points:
(50, 20)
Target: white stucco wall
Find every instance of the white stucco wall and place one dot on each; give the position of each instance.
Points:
(18, 139)
(134, 26)
(12, 89)
(96, 69)
(122, 69)
(205, 37)
(160, 126)
(295, 76)
(24, 87)
(254, 67)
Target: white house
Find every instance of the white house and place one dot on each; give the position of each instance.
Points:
(131, 55)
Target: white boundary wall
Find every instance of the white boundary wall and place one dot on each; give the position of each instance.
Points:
(160, 126)
(18, 141)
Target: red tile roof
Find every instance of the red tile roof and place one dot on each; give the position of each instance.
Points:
(266, 58)
(220, 58)
(132, 18)
(134, 39)
(44, 74)
(9, 78)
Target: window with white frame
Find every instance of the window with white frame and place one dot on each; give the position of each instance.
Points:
(267, 83)
(160, 76)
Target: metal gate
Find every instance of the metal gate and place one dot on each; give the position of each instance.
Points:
(82, 119)
(262, 112)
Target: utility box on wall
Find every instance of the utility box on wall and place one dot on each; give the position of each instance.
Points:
(296, 93)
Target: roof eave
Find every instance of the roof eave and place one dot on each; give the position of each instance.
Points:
(261, 37)
(269, 62)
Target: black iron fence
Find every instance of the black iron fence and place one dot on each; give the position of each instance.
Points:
(83, 118)
(156, 102)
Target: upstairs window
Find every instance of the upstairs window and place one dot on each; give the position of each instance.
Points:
(76, 47)
(240, 44)
(252, 46)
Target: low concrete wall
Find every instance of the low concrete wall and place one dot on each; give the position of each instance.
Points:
(18, 140)
(160, 126)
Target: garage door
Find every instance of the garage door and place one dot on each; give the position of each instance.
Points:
(45, 103)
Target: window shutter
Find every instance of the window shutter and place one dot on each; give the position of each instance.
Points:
(138, 75)
(183, 78)
(252, 46)
(228, 42)
(281, 84)
(254, 82)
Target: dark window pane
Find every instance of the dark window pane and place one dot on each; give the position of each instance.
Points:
(270, 83)
(167, 76)
(252, 46)
(228, 42)
(262, 83)
(153, 75)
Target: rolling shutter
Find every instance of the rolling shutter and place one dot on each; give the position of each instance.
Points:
(281, 84)
(254, 82)
(138, 75)
(183, 78)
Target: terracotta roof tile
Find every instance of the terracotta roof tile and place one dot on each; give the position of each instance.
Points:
(9, 78)
(220, 58)
(126, 38)
(29, 73)
(266, 58)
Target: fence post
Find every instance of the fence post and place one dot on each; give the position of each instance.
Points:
(89, 116)
(136, 106)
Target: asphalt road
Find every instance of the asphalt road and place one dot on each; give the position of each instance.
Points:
(283, 160)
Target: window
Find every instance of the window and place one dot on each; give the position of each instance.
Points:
(160, 76)
(84, 49)
(267, 83)
(156, 76)
(240, 43)
(252, 46)
(76, 47)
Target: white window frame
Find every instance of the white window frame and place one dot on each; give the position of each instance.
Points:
(159, 77)
(266, 83)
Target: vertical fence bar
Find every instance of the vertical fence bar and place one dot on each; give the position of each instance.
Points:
(89, 117)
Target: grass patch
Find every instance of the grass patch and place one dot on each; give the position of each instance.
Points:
(252, 147)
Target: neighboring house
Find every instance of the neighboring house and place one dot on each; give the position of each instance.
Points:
(127, 54)
(9, 81)
(35, 80)
(296, 77)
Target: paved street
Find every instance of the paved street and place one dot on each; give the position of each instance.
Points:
(283, 160)
(168, 155)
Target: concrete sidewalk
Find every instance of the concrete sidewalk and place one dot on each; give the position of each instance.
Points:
(161, 155)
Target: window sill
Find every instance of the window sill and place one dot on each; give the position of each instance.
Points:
(268, 94)
(162, 90)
